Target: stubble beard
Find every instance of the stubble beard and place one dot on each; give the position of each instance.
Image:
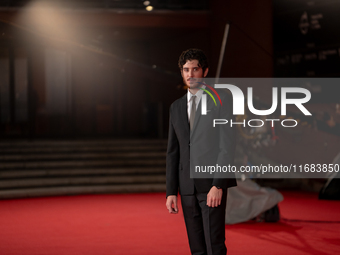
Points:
(194, 85)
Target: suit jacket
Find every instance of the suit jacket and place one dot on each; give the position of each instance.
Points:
(204, 145)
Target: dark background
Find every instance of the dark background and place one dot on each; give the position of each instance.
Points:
(88, 72)
(109, 68)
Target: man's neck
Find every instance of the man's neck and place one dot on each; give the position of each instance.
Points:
(195, 90)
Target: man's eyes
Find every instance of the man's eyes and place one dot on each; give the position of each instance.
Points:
(195, 70)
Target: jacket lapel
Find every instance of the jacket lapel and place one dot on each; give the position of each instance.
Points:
(210, 104)
(184, 114)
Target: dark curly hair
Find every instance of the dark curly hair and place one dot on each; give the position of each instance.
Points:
(193, 54)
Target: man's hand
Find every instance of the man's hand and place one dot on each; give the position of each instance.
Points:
(172, 200)
(214, 197)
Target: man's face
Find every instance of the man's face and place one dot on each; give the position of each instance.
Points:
(192, 74)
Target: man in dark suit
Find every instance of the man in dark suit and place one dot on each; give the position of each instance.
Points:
(193, 141)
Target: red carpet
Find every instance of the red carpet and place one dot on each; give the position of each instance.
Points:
(140, 224)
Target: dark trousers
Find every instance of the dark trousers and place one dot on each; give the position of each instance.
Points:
(205, 225)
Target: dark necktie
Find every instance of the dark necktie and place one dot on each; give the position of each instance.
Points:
(193, 112)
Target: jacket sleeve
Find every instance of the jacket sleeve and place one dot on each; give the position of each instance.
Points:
(172, 160)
